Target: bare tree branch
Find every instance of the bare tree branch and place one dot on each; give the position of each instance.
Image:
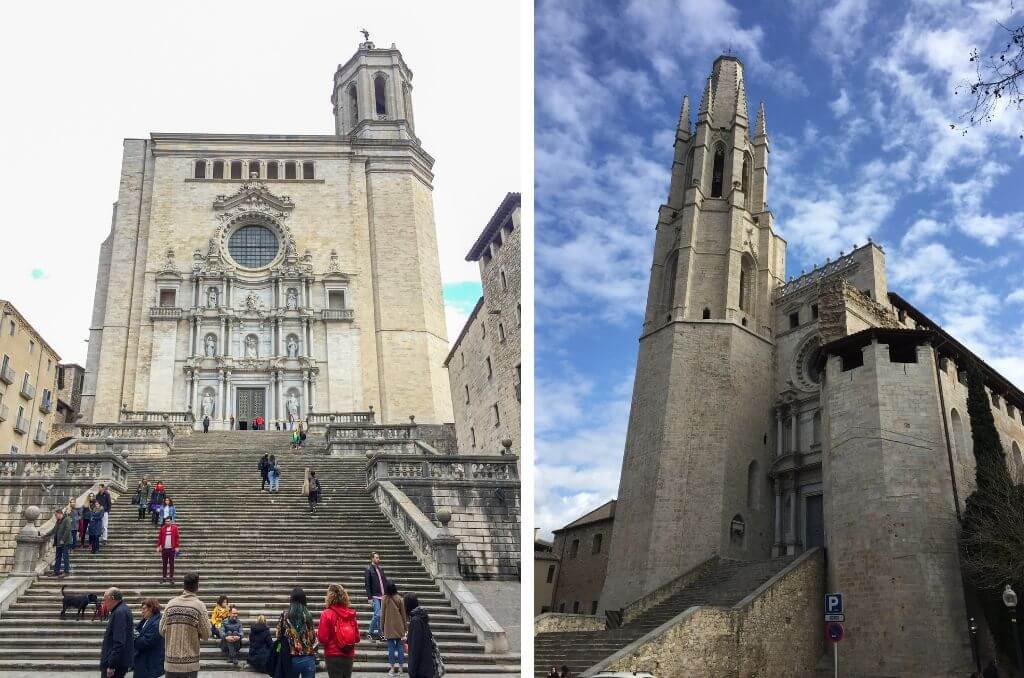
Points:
(999, 78)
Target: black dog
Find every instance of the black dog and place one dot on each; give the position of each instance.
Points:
(78, 601)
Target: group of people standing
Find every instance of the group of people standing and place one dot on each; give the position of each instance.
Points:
(74, 522)
(169, 639)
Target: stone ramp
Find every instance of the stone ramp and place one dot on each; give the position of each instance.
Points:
(727, 583)
(247, 544)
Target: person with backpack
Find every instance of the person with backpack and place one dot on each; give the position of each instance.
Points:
(314, 491)
(424, 657)
(274, 473)
(396, 625)
(156, 500)
(338, 632)
(264, 470)
(296, 628)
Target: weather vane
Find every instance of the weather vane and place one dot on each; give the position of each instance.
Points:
(366, 34)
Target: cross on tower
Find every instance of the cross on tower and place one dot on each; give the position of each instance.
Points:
(366, 34)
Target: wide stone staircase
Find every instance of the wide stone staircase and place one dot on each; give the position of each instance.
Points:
(249, 545)
(725, 584)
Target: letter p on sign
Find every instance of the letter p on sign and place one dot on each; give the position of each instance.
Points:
(834, 603)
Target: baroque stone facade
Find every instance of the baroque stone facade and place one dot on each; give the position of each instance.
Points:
(484, 364)
(276, 275)
(769, 417)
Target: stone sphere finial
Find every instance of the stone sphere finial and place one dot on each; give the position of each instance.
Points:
(444, 516)
(507, 444)
(31, 513)
(412, 418)
(369, 454)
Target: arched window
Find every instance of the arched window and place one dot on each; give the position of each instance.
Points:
(718, 171)
(236, 169)
(707, 314)
(668, 284)
(272, 169)
(753, 486)
(218, 169)
(289, 170)
(959, 443)
(746, 181)
(380, 94)
(688, 175)
(746, 284)
(353, 105)
(254, 168)
(200, 172)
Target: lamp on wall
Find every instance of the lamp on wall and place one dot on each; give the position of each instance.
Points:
(1010, 601)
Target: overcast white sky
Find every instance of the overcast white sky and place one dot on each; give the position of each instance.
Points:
(77, 78)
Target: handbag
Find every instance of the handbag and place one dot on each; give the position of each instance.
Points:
(439, 669)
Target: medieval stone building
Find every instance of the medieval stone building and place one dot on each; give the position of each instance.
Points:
(277, 275)
(770, 417)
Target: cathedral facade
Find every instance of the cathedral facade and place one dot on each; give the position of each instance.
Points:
(279, 276)
(772, 416)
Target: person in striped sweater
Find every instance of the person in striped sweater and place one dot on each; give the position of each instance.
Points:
(184, 625)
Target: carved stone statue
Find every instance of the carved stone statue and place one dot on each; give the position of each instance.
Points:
(293, 407)
(250, 347)
(293, 298)
(293, 347)
(207, 406)
(211, 297)
(211, 346)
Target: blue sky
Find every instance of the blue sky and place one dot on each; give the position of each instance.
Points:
(859, 99)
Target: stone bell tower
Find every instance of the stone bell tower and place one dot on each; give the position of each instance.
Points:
(372, 95)
(694, 470)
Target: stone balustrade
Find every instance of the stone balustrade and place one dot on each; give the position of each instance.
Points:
(151, 417)
(472, 469)
(164, 313)
(336, 314)
(434, 546)
(128, 438)
(340, 418)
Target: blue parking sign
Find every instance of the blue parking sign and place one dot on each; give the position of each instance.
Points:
(833, 603)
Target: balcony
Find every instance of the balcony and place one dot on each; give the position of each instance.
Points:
(339, 314)
(20, 424)
(46, 406)
(39, 437)
(7, 374)
(3, 412)
(28, 391)
(164, 313)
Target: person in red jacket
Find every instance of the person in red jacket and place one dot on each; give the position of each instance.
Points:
(338, 632)
(167, 544)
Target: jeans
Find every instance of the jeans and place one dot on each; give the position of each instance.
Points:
(167, 557)
(106, 518)
(275, 480)
(231, 649)
(94, 541)
(375, 621)
(396, 651)
(304, 666)
(142, 512)
(63, 556)
(339, 667)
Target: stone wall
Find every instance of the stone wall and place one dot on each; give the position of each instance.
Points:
(776, 631)
(581, 575)
(552, 622)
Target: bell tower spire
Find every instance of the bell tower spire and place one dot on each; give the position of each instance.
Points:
(372, 94)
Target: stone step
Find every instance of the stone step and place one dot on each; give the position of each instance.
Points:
(503, 667)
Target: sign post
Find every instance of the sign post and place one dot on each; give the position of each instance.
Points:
(834, 629)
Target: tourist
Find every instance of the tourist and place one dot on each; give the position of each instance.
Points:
(553, 673)
(232, 422)
(373, 580)
(277, 424)
(338, 632)
(167, 545)
(167, 510)
(75, 511)
(83, 521)
(95, 528)
(231, 636)
(314, 491)
(421, 640)
(149, 644)
(259, 645)
(264, 470)
(141, 498)
(156, 500)
(219, 613)
(302, 434)
(184, 627)
(259, 422)
(118, 639)
(295, 438)
(61, 543)
(103, 497)
(274, 473)
(396, 626)
(297, 629)
(206, 424)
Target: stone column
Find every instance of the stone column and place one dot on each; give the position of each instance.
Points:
(220, 396)
(309, 338)
(224, 336)
(229, 405)
(777, 541)
(791, 549)
(795, 433)
(277, 336)
(309, 393)
(227, 293)
(312, 392)
(195, 333)
(779, 449)
(272, 400)
(280, 396)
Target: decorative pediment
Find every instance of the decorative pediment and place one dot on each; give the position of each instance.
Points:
(254, 196)
(169, 269)
(334, 268)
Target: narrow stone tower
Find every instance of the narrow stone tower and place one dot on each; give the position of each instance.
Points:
(699, 426)
(372, 95)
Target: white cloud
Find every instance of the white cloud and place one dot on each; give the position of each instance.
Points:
(841, 106)
(1016, 296)
(921, 230)
(840, 29)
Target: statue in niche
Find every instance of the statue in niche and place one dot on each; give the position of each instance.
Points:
(250, 347)
(211, 346)
(252, 303)
(293, 347)
(211, 248)
(207, 406)
(293, 298)
(211, 297)
(293, 407)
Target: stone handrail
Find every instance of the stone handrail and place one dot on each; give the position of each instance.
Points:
(560, 622)
(63, 468)
(666, 591)
(474, 469)
(439, 436)
(341, 418)
(437, 549)
(152, 417)
(126, 431)
(34, 548)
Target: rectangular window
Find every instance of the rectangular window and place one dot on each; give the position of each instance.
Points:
(551, 574)
(167, 298)
(14, 328)
(593, 607)
(490, 372)
(595, 547)
(902, 354)
(6, 363)
(574, 550)
(60, 377)
(200, 172)
(504, 282)
(575, 607)
(336, 299)
(49, 365)
(14, 449)
(24, 382)
(472, 436)
(307, 170)
(497, 416)
(467, 394)
(31, 347)
(794, 320)
(561, 608)
(814, 311)
(289, 170)
(995, 397)
(236, 169)
(218, 169)
(272, 170)
(254, 169)
(501, 332)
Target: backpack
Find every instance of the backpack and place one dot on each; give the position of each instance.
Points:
(347, 634)
(439, 669)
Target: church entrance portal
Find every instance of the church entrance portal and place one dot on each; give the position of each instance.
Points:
(251, 402)
(815, 522)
